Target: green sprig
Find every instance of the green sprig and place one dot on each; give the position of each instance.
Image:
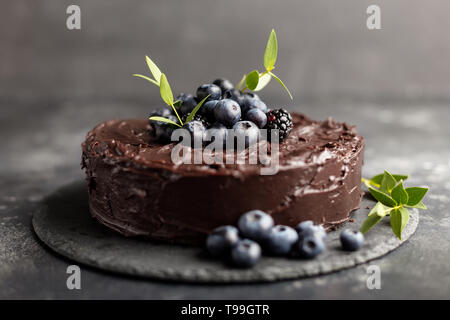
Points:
(256, 80)
(393, 201)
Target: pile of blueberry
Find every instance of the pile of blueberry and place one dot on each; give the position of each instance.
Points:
(225, 108)
(256, 233)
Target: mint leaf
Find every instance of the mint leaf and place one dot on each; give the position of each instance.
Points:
(416, 195)
(263, 81)
(164, 89)
(270, 55)
(252, 79)
(194, 111)
(241, 83)
(387, 183)
(153, 69)
(399, 219)
(282, 84)
(376, 180)
(380, 210)
(382, 197)
(399, 193)
(371, 221)
(162, 119)
(146, 78)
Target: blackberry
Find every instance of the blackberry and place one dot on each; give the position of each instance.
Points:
(200, 118)
(279, 119)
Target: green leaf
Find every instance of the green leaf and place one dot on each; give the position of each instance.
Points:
(282, 84)
(371, 221)
(382, 197)
(252, 79)
(146, 78)
(416, 195)
(177, 103)
(388, 182)
(164, 89)
(379, 209)
(399, 193)
(270, 55)
(399, 219)
(420, 205)
(241, 83)
(376, 180)
(153, 69)
(197, 107)
(162, 119)
(263, 81)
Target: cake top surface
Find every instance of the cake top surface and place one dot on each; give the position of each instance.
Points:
(310, 143)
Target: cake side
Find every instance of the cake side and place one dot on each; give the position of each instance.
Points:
(135, 189)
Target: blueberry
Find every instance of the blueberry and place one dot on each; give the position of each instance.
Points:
(227, 112)
(234, 94)
(163, 130)
(255, 225)
(246, 253)
(307, 228)
(223, 84)
(310, 246)
(257, 117)
(188, 102)
(162, 112)
(208, 109)
(351, 240)
(197, 130)
(251, 101)
(212, 90)
(221, 240)
(246, 131)
(280, 240)
(217, 131)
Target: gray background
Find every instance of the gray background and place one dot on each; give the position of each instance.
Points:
(56, 84)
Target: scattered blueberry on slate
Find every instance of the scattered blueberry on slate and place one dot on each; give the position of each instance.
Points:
(351, 240)
(257, 116)
(310, 246)
(228, 112)
(255, 224)
(223, 84)
(280, 240)
(308, 228)
(212, 90)
(246, 253)
(248, 130)
(188, 103)
(222, 240)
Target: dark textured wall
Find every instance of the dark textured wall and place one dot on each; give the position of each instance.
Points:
(325, 49)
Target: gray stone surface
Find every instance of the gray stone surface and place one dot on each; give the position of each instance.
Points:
(65, 225)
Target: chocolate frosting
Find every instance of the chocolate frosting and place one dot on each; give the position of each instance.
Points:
(136, 189)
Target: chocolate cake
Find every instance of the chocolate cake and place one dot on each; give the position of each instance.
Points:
(136, 189)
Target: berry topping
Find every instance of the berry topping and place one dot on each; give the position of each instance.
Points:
(212, 90)
(197, 130)
(223, 84)
(221, 240)
(234, 94)
(252, 101)
(279, 119)
(247, 132)
(351, 240)
(280, 240)
(246, 253)
(227, 112)
(188, 103)
(255, 225)
(256, 116)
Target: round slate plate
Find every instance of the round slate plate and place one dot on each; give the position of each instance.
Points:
(66, 226)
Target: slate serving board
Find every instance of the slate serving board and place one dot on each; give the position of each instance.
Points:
(66, 226)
